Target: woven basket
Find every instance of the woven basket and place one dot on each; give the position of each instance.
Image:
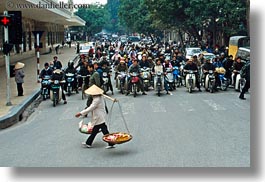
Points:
(117, 138)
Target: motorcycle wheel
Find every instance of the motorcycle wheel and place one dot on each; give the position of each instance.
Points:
(224, 86)
(68, 91)
(211, 87)
(83, 92)
(121, 88)
(134, 90)
(54, 100)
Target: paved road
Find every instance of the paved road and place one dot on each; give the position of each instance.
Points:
(178, 130)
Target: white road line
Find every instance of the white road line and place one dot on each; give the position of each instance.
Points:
(157, 106)
(214, 105)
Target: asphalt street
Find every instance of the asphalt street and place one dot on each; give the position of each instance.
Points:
(178, 130)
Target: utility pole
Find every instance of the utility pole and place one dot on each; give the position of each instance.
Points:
(6, 22)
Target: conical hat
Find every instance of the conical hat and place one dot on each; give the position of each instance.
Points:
(19, 65)
(94, 90)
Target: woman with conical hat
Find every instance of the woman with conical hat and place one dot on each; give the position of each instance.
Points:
(19, 77)
(97, 108)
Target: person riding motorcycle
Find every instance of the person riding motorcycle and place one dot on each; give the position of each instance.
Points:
(105, 68)
(209, 66)
(192, 66)
(121, 67)
(228, 63)
(71, 69)
(160, 68)
(144, 63)
(237, 66)
(135, 68)
(56, 63)
(59, 75)
(46, 71)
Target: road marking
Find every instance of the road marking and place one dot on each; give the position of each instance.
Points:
(157, 106)
(184, 104)
(214, 105)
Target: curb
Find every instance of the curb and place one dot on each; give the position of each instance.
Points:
(16, 112)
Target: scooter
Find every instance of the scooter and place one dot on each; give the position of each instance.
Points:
(210, 81)
(146, 76)
(56, 91)
(70, 77)
(45, 84)
(177, 76)
(190, 80)
(158, 85)
(134, 81)
(170, 79)
(122, 81)
(223, 81)
(105, 86)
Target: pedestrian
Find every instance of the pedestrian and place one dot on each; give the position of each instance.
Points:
(19, 77)
(98, 110)
(57, 49)
(245, 74)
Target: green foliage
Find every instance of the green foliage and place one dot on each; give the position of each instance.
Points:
(96, 18)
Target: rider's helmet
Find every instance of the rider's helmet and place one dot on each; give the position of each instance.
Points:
(70, 64)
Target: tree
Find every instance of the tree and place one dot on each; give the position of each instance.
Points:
(96, 18)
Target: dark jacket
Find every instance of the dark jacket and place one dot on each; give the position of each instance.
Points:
(57, 64)
(45, 72)
(191, 66)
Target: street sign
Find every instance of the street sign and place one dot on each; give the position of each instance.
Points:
(37, 32)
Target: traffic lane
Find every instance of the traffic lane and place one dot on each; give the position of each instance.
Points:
(166, 132)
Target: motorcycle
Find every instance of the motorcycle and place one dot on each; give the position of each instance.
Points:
(177, 76)
(105, 86)
(223, 81)
(122, 81)
(158, 85)
(70, 77)
(181, 71)
(135, 80)
(56, 91)
(45, 84)
(190, 80)
(146, 76)
(170, 79)
(210, 81)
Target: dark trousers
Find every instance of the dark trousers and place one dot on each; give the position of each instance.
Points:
(245, 89)
(95, 131)
(19, 89)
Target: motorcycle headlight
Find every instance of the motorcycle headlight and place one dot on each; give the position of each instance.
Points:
(56, 81)
(105, 74)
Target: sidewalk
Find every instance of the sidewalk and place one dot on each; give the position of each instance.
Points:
(31, 86)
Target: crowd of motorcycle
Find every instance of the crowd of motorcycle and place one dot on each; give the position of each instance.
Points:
(137, 68)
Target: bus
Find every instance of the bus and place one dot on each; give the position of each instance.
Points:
(235, 42)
